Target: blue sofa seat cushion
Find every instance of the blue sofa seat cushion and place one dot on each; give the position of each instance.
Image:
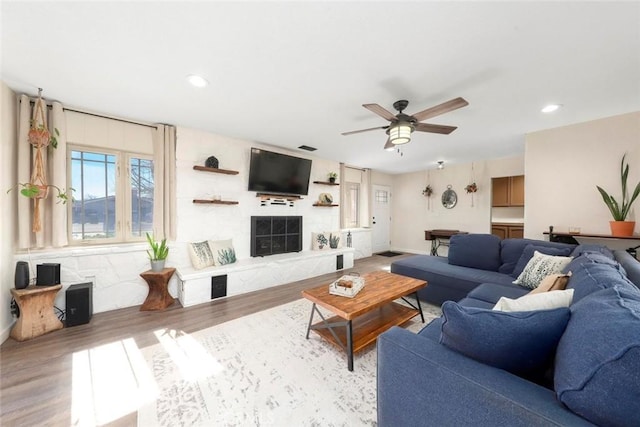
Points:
(480, 251)
(527, 254)
(511, 251)
(597, 367)
(522, 343)
(492, 292)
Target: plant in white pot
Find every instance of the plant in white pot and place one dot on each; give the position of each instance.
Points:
(620, 227)
(158, 253)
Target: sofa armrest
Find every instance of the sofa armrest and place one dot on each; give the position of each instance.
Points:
(421, 382)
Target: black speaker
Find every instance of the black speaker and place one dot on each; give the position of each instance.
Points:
(219, 286)
(339, 262)
(22, 274)
(47, 274)
(79, 304)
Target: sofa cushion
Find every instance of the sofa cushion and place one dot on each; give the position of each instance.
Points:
(540, 301)
(589, 276)
(511, 250)
(597, 370)
(539, 267)
(201, 255)
(492, 292)
(630, 265)
(475, 251)
(580, 249)
(519, 342)
(223, 251)
(527, 254)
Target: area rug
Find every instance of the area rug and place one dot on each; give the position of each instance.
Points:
(260, 370)
(389, 253)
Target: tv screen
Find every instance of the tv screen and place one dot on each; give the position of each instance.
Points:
(278, 173)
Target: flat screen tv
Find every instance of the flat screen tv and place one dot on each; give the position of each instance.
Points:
(275, 173)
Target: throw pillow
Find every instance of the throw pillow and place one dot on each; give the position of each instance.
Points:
(223, 252)
(597, 369)
(553, 282)
(539, 267)
(201, 255)
(528, 251)
(522, 342)
(326, 240)
(541, 301)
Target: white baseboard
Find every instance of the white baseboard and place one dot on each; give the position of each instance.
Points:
(4, 334)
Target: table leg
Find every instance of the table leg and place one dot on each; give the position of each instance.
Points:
(313, 309)
(434, 247)
(349, 346)
(419, 306)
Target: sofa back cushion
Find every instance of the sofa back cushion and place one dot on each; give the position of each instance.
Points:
(630, 265)
(593, 272)
(527, 254)
(580, 249)
(597, 366)
(475, 251)
(511, 251)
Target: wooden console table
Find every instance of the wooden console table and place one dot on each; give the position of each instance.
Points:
(555, 236)
(159, 297)
(36, 312)
(440, 238)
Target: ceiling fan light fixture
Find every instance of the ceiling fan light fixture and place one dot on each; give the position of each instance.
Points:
(400, 133)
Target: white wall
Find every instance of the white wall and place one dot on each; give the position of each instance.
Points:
(9, 221)
(563, 167)
(413, 213)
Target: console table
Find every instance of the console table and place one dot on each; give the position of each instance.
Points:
(440, 238)
(36, 312)
(159, 297)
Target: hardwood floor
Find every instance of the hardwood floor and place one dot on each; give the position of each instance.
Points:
(36, 375)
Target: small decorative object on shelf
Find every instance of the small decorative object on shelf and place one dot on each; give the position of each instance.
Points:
(347, 286)
(332, 177)
(325, 199)
(211, 162)
(349, 239)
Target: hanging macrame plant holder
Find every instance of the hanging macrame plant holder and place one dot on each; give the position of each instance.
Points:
(39, 137)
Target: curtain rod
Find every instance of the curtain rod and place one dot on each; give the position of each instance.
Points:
(48, 104)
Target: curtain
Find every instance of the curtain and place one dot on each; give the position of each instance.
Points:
(53, 215)
(343, 198)
(365, 198)
(164, 175)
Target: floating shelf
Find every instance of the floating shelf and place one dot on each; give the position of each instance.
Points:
(325, 183)
(215, 202)
(325, 205)
(224, 171)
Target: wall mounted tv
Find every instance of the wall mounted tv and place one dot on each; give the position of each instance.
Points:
(275, 173)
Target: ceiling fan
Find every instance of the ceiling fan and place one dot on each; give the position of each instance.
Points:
(402, 125)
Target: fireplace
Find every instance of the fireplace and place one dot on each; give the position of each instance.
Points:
(272, 235)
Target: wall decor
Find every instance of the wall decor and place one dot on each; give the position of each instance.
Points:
(211, 162)
(449, 198)
(325, 199)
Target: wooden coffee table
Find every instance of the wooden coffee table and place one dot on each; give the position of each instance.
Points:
(367, 315)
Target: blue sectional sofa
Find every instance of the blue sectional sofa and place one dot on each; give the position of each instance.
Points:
(591, 377)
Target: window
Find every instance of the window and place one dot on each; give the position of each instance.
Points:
(111, 203)
(352, 203)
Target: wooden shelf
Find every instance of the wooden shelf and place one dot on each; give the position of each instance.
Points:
(325, 183)
(325, 205)
(215, 202)
(224, 171)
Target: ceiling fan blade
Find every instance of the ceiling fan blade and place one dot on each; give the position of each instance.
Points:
(443, 129)
(389, 146)
(385, 114)
(363, 130)
(445, 107)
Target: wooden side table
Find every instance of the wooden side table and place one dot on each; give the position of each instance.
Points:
(159, 297)
(36, 312)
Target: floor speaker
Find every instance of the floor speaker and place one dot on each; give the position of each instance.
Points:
(79, 304)
(22, 275)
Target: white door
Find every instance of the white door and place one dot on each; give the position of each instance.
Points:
(381, 218)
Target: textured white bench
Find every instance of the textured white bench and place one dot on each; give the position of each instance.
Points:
(247, 275)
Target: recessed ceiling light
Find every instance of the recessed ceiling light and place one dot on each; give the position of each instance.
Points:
(551, 108)
(197, 81)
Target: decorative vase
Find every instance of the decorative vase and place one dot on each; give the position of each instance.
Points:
(332, 180)
(622, 228)
(157, 265)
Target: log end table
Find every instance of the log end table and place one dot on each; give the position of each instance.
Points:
(36, 312)
(159, 297)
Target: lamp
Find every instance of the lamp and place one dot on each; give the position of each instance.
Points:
(400, 133)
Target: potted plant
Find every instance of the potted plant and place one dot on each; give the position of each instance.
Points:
(471, 188)
(620, 227)
(158, 253)
(332, 177)
(428, 191)
(35, 191)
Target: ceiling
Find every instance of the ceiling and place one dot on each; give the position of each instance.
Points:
(293, 73)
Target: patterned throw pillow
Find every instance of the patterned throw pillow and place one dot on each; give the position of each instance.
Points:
(326, 240)
(223, 252)
(200, 254)
(539, 267)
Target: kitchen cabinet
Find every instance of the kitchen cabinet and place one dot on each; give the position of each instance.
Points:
(507, 191)
(508, 230)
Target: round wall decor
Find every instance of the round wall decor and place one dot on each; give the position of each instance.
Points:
(449, 198)
(211, 162)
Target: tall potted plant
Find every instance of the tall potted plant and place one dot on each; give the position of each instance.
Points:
(158, 253)
(620, 227)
